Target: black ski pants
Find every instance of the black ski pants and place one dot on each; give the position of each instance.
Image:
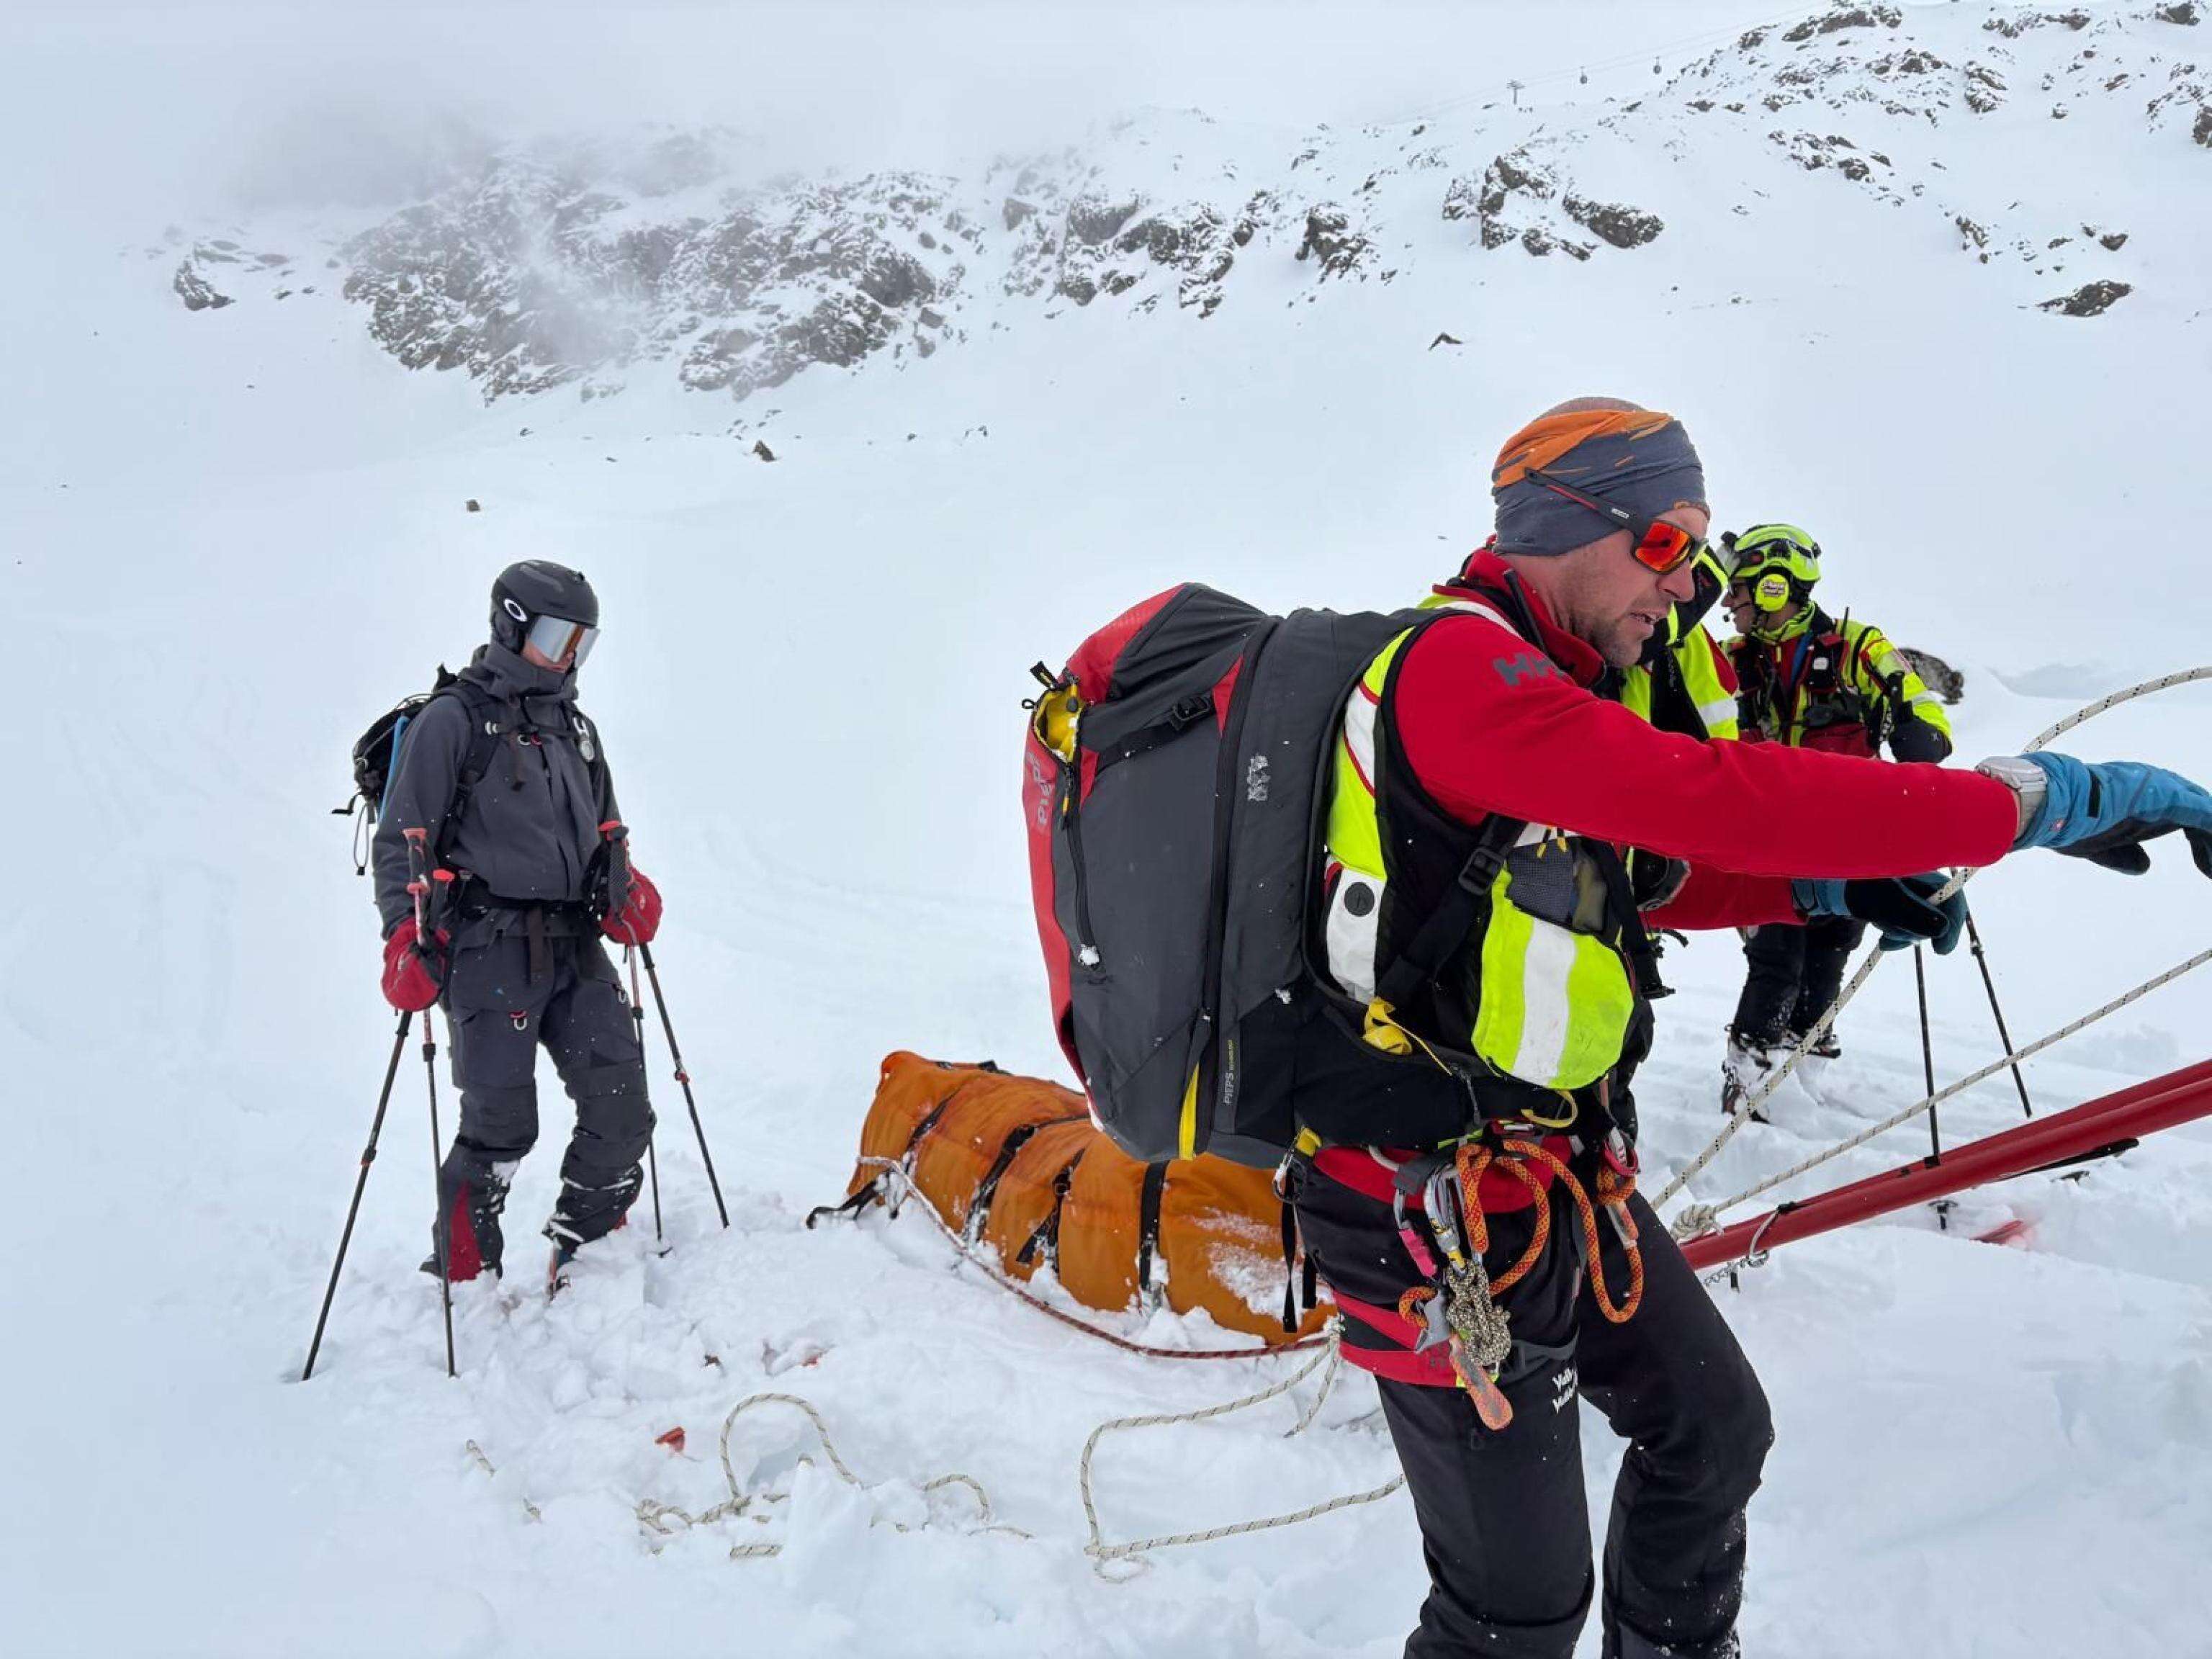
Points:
(501, 1015)
(1794, 974)
(1504, 1525)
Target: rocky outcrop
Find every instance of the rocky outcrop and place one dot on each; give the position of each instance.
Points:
(1623, 227)
(194, 285)
(529, 280)
(1945, 681)
(1331, 242)
(2090, 300)
(1521, 199)
(2020, 23)
(196, 291)
(1845, 17)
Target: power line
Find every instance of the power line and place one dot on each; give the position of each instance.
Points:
(1523, 83)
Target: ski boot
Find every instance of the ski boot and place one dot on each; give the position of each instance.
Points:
(556, 1270)
(1745, 1067)
(473, 1203)
(1813, 1069)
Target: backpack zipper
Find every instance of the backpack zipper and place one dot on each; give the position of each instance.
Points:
(1086, 953)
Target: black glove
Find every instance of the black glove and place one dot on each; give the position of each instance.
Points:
(1911, 739)
(1901, 906)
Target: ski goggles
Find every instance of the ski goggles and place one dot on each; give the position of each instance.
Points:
(556, 637)
(1659, 547)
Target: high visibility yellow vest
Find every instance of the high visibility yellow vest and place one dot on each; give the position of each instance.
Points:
(1555, 994)
(1696, 656)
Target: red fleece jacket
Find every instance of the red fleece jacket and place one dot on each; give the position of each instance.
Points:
(1491, 725)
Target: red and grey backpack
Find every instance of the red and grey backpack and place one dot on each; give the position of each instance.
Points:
(1174, 782)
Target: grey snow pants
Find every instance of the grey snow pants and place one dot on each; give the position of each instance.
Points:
(500, 1016)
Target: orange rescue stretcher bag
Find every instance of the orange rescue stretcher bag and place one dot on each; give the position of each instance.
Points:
(1017, 1165)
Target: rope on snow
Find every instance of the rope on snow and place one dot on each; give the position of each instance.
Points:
(1103, 1555)
(666, 1519)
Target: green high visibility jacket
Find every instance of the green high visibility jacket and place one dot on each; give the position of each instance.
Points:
(1840, 686)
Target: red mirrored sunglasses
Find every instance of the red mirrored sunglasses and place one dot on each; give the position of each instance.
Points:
(1659, 547)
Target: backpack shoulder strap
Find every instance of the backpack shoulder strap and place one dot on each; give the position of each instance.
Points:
(1451, 924)
(485, 725)
(585, 731)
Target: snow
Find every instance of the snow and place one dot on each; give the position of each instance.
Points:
(235, 535)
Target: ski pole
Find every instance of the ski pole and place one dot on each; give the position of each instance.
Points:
(637, 1023)
(418, 886)
(1982, 962)
(617, 836)
(676, 1054)
(1942, 1206)
(1927, 1047)
(360, 1184)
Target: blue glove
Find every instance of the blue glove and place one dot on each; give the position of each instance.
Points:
(2106, 811)
(1902, 906)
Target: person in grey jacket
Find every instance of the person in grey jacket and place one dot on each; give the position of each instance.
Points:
(510, 784)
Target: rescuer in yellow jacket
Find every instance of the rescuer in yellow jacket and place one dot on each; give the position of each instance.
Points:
(1686, 682)
(1806, 680)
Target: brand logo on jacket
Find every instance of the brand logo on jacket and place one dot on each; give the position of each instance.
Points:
(1563, 1388)
(1528, 665)
(1039, 793)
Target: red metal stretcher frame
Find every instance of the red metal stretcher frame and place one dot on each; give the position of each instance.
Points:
(2131, 1113)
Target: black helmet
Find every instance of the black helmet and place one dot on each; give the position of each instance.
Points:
(547, 605)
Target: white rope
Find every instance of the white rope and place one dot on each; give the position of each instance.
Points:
(1752, 1101)
(666, 1519)
(1103, 1555)
(1699, 1218)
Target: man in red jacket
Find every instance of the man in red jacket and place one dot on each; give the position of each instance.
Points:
(1477, 737)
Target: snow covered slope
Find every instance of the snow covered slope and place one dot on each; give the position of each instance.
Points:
(238, 530)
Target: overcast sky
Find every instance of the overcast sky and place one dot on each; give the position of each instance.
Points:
(185, 109)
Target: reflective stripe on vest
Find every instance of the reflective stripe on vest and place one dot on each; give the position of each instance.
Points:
(1701, 676)
(1556, 1003)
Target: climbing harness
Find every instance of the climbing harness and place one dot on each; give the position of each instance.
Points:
(1459, 1308)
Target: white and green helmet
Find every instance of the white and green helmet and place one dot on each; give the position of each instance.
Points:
(1779, 563)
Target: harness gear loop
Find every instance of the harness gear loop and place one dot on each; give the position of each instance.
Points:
(1564, 1120)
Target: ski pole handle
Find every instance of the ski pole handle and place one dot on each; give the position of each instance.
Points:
(617, 840)
(418, 882)
(420, 875)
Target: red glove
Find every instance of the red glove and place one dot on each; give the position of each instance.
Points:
(411, 982)
(640, 919)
